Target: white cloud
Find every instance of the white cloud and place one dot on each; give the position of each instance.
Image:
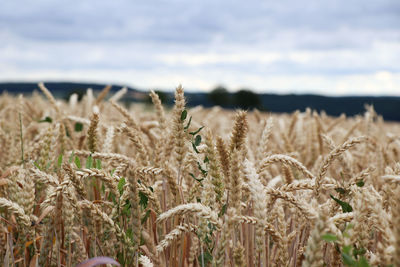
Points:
(379, 83)
(198, 59)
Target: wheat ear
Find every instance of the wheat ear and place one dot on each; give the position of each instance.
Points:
(131, 121)
(159, 109)
(174, 235)
(92, 131)
(314, 253)
(145, 261)
(16, 209)
(103, 94)
(214, 169)
(304, 208)
(285, 160)
(134, 137)
(333, 155)
(197, 208)
(49, 96)
(223, 160)
(86, 204)
(179, 134)
(239, 131)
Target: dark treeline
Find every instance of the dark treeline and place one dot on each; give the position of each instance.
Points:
(388, 107)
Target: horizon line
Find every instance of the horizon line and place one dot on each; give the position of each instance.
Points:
(192, 90)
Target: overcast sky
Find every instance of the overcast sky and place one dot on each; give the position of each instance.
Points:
(346, 47)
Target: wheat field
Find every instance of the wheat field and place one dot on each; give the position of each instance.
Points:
(150, 186)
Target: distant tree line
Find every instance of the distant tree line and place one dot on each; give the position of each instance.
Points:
(243, 98)
(387, 106)
(219, 96)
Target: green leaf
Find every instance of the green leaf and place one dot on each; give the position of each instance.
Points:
(78, 162)
(78, 127)
(113, 198)
(121, 184)
(363, 262)
(197, 140)
(188, 124)
(329, 238)
(89, 162)
(223, 210)
(206, 160)
(359, 252)
(144, 200)
(121, 259)
(349, 226)
(212, 227)
(71, 158)
(194, 177)
(36, 165)
(67, 132)
(98, 164)
(143, 220)
(345, 206)
(346, 249)
(204, 172)
(48, 165)
(197, 131)
(348, 260)
(183, 115)
(60, 160)
(195, 149)
(207, 239)
(360, 183)
(340, 190)
(47, 119)
(129, 233)
(205, 258)
(127, 209)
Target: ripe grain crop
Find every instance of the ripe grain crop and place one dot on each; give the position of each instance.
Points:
(148, 186)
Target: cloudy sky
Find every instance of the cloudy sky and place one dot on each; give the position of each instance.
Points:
(345, 47)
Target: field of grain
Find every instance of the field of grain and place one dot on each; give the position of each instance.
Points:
(194, 187)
